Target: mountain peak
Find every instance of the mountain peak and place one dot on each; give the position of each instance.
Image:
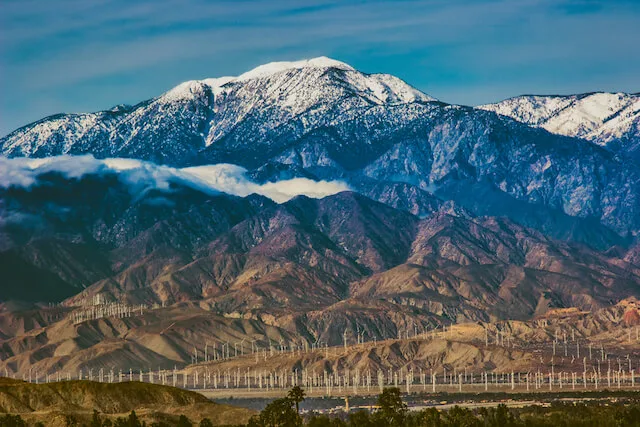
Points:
(186, 89)
(377, 88)
(277, 67)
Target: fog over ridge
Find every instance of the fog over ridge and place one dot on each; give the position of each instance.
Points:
(142, 176)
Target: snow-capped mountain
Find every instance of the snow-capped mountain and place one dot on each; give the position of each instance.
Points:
(179, 126)
(611, 120)
(322, 119)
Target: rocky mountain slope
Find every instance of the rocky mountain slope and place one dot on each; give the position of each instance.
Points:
(170, 338)
(62, 235)
(582, 339)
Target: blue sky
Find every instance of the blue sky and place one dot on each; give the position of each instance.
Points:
(87, 55)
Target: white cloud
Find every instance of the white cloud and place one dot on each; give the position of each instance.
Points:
(231, 179)
(23, 172)
(142, 176)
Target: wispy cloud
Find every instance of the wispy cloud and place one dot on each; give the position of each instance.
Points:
(75, 55)
(141, 176)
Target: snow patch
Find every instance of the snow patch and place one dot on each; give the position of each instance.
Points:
(278, 67)
(184, 91)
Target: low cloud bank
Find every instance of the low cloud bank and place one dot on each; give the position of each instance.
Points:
(141, 176)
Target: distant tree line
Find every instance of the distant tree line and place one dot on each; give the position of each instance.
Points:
(392, 411)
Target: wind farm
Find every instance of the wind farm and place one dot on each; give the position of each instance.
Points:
(565, 351)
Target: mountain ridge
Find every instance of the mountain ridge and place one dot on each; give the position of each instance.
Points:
(611, 120)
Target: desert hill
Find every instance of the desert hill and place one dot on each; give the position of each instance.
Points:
(53, 402)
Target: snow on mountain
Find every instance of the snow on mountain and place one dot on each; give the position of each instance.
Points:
(187, 88)
(277, 67)
(378, 88)
(197, 113)
(611, 120)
